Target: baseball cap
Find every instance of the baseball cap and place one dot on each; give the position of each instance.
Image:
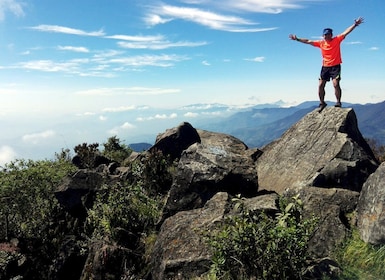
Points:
(328, 31)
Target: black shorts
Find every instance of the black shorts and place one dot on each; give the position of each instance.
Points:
(333, 72)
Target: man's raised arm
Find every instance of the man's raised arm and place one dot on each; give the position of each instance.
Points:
(356, 23)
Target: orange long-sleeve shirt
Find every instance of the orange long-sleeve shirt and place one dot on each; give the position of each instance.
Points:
(330, 50)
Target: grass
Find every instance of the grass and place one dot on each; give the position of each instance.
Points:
(360, 260)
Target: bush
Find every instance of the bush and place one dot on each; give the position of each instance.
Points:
(122, 207)
(86, 154)
(27, 202)
(256, 245)
(115, 150)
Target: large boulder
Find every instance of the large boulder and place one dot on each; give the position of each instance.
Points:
(371, 208)
(175, 140)
(334, 210)
(76, 192)
(219, 163)
(180, 251)
(322, 149)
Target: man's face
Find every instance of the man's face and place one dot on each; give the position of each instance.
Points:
(328, 36)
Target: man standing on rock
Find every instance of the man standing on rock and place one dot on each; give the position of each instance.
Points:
(331, 59)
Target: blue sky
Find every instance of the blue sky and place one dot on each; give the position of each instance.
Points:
(78, 62)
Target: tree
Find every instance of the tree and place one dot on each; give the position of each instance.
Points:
(115, 150)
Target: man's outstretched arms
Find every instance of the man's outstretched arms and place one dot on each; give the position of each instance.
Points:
(302, 40)
(356, 23)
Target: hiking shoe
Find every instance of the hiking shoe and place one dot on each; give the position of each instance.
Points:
(338, 104)
(322, 106)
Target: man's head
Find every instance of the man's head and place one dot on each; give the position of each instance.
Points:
(328, 33)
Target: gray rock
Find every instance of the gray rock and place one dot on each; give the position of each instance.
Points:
(219, 163)
(175, 140)
(76, 192)
(333, 208)
(323, 149)
(180, 251)
(371, 208)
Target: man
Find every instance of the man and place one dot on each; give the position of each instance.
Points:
(331, 59)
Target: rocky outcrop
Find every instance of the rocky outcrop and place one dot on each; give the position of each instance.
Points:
(323, 150)
(323, 159)
(218, 163)
(371, 208)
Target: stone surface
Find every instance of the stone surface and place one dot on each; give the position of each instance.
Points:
(333, 208)
(219, 163)
(180, 251)
(323, 149)
(371, 208)
(175, 140)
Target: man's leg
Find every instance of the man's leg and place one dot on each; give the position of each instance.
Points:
(321, 91)
(337, 91)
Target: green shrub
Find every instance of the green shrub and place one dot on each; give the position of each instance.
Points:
(256, 245)
(87, 154)
(122, 207)
(115, 150)
(27, 202)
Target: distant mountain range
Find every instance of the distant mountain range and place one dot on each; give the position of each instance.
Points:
(259, 126)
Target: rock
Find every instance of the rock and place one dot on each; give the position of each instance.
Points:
(180, 251)
(76, 192)
(323, 149)
(219, 163)
(333, 208)
(371, 208)
(107, 261)
(175, 140)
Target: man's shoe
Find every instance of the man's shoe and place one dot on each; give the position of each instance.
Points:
(322, 106)
(338, 104)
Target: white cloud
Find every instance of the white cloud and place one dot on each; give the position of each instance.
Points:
(256, 59)
(137, 38)
(374, 48)
(191, 115)
(206, 18)
(140, 91)
(204, 62)
(258, 6)
(158, 117)
(35, 138)
(50, 66)
(159, 45)
(7, 154)
(66, 30)
(73, 49)
(118, 129)
(13, 6)
(164, 60)
(119, 109)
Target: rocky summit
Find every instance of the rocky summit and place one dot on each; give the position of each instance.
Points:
(322, 159)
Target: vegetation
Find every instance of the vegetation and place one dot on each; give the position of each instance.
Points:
(27, 202)
(360, 260)
(115, 150)
(29, 210)
(254, 245)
